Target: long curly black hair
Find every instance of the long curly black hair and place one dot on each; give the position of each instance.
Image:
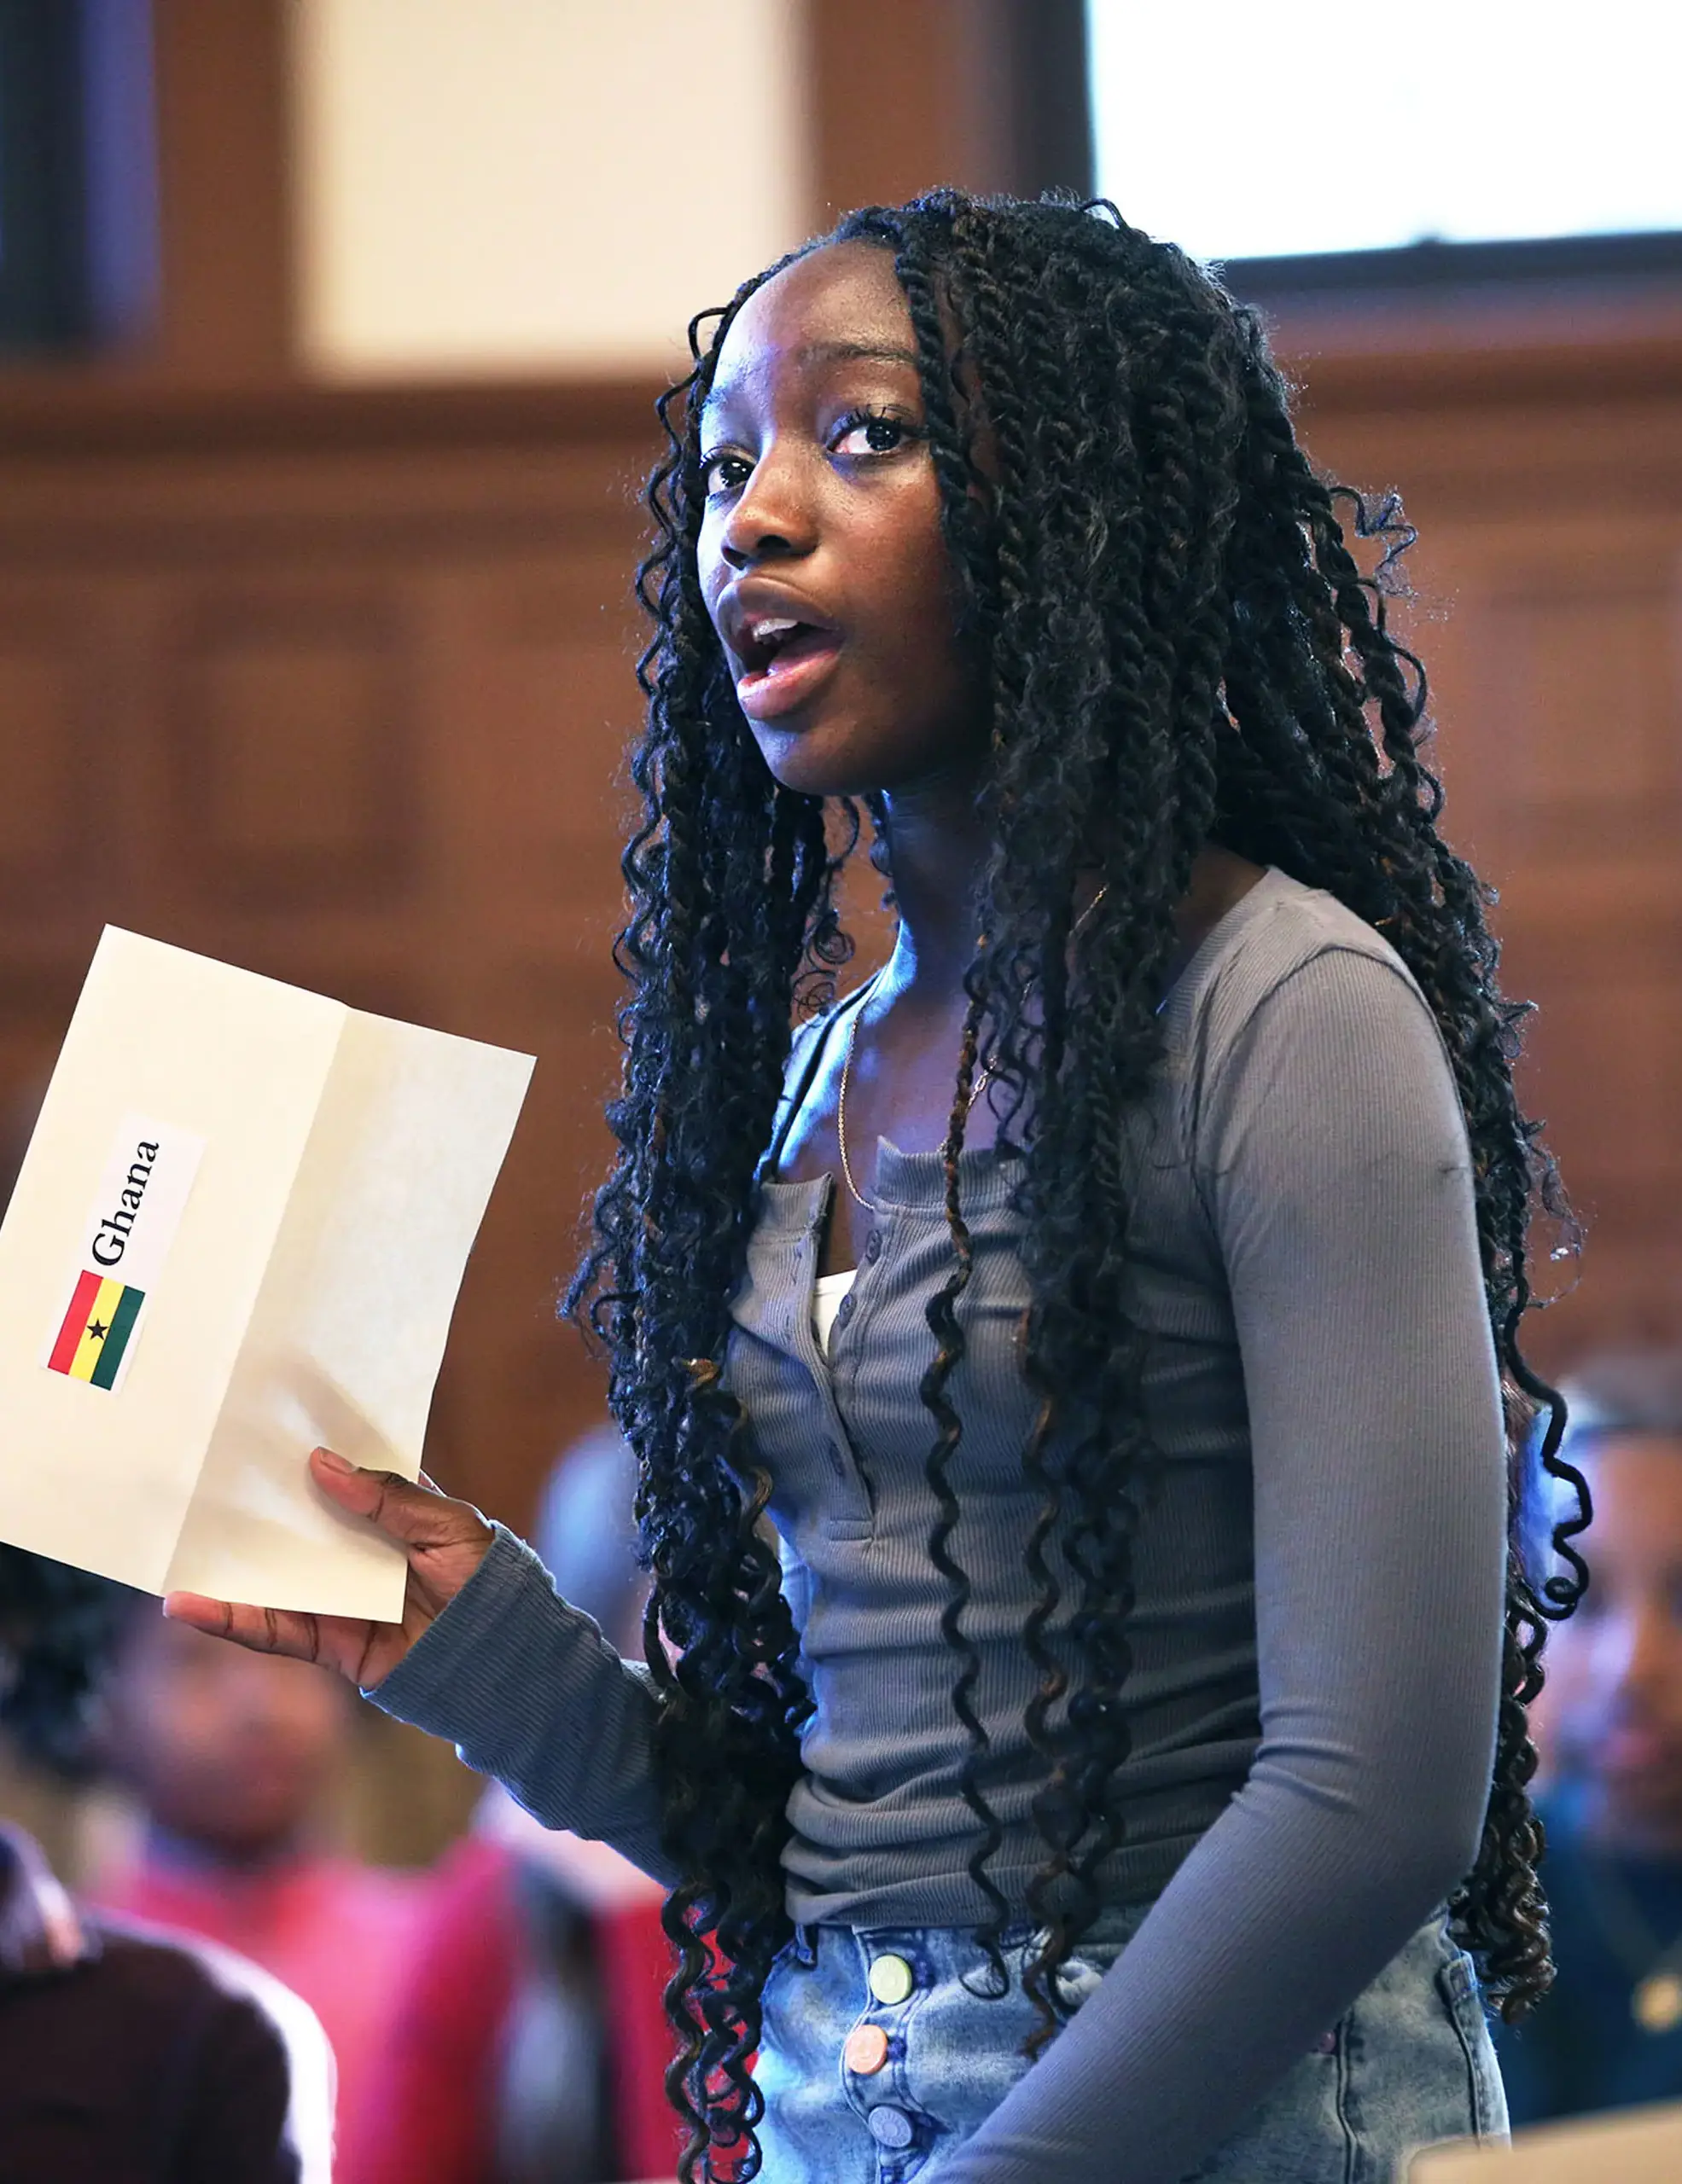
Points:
(1175, 633)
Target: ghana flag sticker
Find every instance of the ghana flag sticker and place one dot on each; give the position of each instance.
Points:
(97, 1330)
(142, 1193)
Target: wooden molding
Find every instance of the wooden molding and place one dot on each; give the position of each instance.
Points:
(224, 213)
(107, 412)
(907, 94)
(101, 410)
(1484, 351)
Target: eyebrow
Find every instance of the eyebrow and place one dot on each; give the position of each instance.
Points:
(831, 352)
(872, 352)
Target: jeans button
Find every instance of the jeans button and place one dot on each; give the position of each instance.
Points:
(865, 2051)
(891, 1979)
(890, 2127)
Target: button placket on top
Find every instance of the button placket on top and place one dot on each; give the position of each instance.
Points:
(862, 1294)
(845, 1360)
(802, 1338)
(797, 1329)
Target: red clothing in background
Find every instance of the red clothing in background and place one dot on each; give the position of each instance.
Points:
(431, 2117)
(336, 1932)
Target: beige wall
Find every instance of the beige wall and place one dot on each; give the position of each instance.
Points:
(487, 186)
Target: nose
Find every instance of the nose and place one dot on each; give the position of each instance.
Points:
(772, 519)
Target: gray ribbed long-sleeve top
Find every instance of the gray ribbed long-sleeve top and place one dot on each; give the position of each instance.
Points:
(1319, 1574)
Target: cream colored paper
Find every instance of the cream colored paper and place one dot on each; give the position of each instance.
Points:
(304, 1296)
(1641, 2146)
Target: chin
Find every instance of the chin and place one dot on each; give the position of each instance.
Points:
(832, 760)
(810, 763)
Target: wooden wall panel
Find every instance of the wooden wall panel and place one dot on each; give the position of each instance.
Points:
(350, 708)
(340, 686)
(542, 686)
(49, 759)
(295, 771)
(1548, 577)
(1576, 677)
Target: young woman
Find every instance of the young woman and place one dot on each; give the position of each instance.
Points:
(1099, 1784)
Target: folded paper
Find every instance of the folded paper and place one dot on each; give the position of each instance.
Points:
(1639, 2145)
(239, 1233)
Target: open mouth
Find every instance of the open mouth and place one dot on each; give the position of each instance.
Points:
(783, 660)
(769, 646)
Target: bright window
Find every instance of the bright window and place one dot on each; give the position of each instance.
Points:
(1247, 131)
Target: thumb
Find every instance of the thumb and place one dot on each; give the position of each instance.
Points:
(413, 1515)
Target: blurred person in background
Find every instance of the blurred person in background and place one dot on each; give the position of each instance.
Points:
(233, 1760)
(128, 2055)
(1610, 2034)
(530, 2041)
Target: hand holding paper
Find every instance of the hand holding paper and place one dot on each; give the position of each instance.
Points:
(443, 1542)
(237, 1235)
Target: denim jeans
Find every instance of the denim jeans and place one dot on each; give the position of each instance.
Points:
(1410, 2064)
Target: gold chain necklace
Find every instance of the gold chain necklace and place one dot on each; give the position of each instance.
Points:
(869, 1205)
(872, 1205)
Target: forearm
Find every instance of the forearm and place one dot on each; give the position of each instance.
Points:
(1356, 1822)
(529, 1692)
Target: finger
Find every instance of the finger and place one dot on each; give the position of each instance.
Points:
(262, 1629)
(413, 1515)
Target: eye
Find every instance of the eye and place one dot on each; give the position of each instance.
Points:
(872, 431)
(724, 472)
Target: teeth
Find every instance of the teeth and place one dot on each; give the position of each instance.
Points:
(763, 632)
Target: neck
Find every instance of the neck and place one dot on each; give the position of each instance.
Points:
(937, 848)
